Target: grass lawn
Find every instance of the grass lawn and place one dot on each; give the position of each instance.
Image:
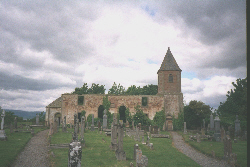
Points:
(97, 152)
(206, 147)
(14, 145)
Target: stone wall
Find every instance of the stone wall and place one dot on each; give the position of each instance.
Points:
(164, 86)
(50, 113)
(173, 104)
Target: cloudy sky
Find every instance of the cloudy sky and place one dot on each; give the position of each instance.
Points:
(48, 48)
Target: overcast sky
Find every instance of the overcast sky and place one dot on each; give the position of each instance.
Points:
(48, 48)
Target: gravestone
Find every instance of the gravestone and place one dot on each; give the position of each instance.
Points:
(211, 122)
(155, 129)
(2, 131)
(141, 160)
(120, 154)
(222, 134)
(82, 126)
(198, 138)
(99, 125)
(208, 126)
(55, 126)
(37, 119)
(185, 128)
(142, 139)
(92, 125)
(105, 120)
(237, 127)
(11, 128)
(87, 125)
(15, 123)
(133, 125)
(74, 154)
(51, 129)
(204, 125)
(136, 146)
(77, 125)
(203, 132)
(147, 142)
(64, 124)
(227, 147)
(113, 145)
(217, 128)
(74, 135)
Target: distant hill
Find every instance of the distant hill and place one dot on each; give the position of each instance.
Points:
(24, 114)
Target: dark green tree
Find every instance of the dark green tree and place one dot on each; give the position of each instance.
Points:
(9, 117)
(159, 118)
(82, 90)
(140, 117)
(149, 90)
(195, 112)
(116, 90)
(133, 90)
(94, 89)
(236, 104)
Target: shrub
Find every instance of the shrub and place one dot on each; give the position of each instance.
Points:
(178, 123)
(159, 118)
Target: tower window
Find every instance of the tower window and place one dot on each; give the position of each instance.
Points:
(144, 101)
(170, 78)
(80, 100)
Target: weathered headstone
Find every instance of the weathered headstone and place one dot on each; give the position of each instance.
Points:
(114, 125)
(155, 129)
(136, 146)
(99, 125)
(74, 154)
(120, 154)
(227, 147)
(55, 126)
(11, 128)
(133, 125)
(92, 125)
(198, 138)
(74, 135)
(105, 120)
(222, 134)
(141, 160)
(217, 128)
(64, 124)
(15, 123)
(142, 139)
(77, 125)
(37, 119)
(185, 128)
(82, 126)
(211, 122)
(147, 142)
(237, 126)
(203, 132)
(2, 131)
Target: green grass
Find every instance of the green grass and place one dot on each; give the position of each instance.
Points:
(206, 147)
(97, 152)
(14, 145)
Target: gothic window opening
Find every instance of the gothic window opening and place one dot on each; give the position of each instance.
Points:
(170, 78)
(80, 100)
(144, 101)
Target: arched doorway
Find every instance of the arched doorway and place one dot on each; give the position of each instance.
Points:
(100, 111)
(169, 122)
(58, 115)
(122, 110)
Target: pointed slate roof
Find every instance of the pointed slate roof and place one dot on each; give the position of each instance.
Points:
(56, 103)
(169, 63)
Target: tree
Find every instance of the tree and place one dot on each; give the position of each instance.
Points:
(82, 90)
(42, 116)
(195, 112)
(94, 89)
(140, 117)
(133, 90)
(116, 90)
(9, 117)
(159, 118)
(235, 104)
(149, 90)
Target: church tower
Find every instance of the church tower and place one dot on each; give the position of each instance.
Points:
(169, 86)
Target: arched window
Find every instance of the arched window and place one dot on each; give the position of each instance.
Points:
(170, 78)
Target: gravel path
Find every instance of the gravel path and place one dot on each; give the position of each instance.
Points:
(35, 153)
(198, 157)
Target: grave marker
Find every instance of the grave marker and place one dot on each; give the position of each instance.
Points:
(217, 128)
(211, 122)
(120, 154)
(37, 119)
(185, 128)
(92, 125)
(82, 127)
(104, 126)
(237, 127)
(74, 154)
(2, 131)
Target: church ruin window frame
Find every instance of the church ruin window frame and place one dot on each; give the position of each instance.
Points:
(142, 101)
(170, 78)
(80, 101)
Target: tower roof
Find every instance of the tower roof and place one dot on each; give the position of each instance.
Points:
(169, 63)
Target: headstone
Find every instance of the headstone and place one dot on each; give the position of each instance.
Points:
(222, 134)
(32, 132)
(203, 132)
(11, 128)
(37, 119)
(208, 126)
(51, 129)
(147, 142)
(155, 129)
(150, 145)
(99, 125)
(185, 128)
(64, 124)
(217, 128)
(74, 135)
(74, 154)
(92, 125)
(237, 126)
(141, 160)
(114, 125)
(55, 126)
(77, 125)
(227, 147)
(82, 127)
(2, 131)
(142, 139)
(198, 138)
(204, 125)
(15, 123)
(136, 146)
(211, 122)
(87, 124)
(120, 154)
(105, 120)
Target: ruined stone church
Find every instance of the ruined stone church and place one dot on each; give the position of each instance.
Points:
(169, 98)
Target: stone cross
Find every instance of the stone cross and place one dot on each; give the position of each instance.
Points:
(74, 154)
(120, 154)
(104, 126)
(222, 134)
(217, 128)
(15, 123)
(211, 122)
(114, 125)
(82, 126)
(185, 128)
(37, 119)
(237, 126)
(92, 125)
(136, 146)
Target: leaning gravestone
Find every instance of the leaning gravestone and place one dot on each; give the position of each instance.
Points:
(211, 122)
(74, 154)
(82, 127)
(217, 128)
(104, 126)
(92, 125)
(2, 132)
(37, 119)
(120, 154)
(237, 126)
